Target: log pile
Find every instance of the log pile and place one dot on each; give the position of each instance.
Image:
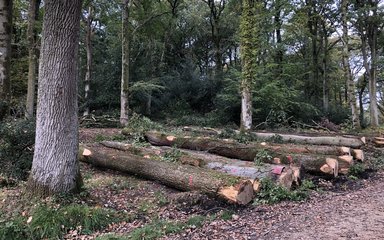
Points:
(225, 168)
(323, 160)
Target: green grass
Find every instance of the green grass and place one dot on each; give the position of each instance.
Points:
(160, 228)
(53, 222)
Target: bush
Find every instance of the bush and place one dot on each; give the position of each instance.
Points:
(137, 126)
(17, 138)
(271, 193)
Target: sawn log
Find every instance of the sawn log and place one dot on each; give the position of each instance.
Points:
(281, 175)
(307, 157)
(183, 177)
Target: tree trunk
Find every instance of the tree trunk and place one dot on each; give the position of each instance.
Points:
(5, 56)
(88, 49)
(230, 166)
(124, 104)
(248, 60)
(318, 140)
(347, 69)
(185, 178)
(373, 109)
(33, 16)
(311, 158)
(55, 167)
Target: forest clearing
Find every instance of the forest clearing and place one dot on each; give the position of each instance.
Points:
(191, 119)
(319, 205)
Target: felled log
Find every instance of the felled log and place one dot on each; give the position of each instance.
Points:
(182, 177)
(152, 153)
(314, 163)
(284, 177)
(204, 130)
(323, 140)
(236, 150)
(378, 141)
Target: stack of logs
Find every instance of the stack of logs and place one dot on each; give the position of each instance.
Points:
(225, 168)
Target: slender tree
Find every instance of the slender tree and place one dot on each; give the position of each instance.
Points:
(248, 46)
(216, 9)
(55, 167)
(124, 108)
(33, 15)
(347, 68)
(5, 54)
(88, 48)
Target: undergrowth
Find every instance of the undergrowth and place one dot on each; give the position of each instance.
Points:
(17, 138)
(271, 193)
(54, 222)
(137, 126)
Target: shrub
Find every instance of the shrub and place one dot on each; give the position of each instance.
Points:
(271, 193)
(17, 138)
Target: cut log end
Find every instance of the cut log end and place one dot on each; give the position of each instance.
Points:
(345, 160)
(358, 154)
(334, 164)
(241, 194)
(87, 152)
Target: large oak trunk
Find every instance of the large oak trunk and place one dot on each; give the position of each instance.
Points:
(182, 177)
(55, 167)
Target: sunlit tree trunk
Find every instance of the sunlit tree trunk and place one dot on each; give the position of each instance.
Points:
(5, 55)
(55, 167)
(124, 108)
(347, 68)
(88, 49)
(33, 14)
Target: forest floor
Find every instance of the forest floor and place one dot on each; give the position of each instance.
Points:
(337, 209)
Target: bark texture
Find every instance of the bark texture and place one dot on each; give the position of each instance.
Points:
(233, 167)
(88, 49)
(5, 54)
(318, 140)
(33, 15)
(55, 167)
(124, 104)
(182, 177)
(248, 46)
(310, 158)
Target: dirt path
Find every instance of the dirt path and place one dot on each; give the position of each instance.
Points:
(347, 215)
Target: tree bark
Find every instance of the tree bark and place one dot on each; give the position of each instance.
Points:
(125, 51)
(5, 56)
(33, 16)
(318, 140)
(88, 49)
(311, 158)
(55, 167)
(233, 167)
(248, 46)
(185, 178)
(208, 144)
